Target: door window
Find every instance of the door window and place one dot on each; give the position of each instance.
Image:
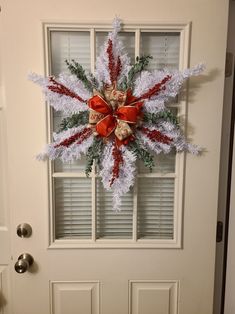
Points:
(81, 210)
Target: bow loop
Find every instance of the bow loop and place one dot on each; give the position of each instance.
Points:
(106, 126)
(128, 114)
(98, 104)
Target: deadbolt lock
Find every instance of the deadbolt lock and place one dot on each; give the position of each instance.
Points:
(24, 230)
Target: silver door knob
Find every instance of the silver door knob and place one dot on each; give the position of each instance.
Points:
(24, 230)
(25, 260)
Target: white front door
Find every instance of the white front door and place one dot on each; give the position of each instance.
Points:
(158, 254)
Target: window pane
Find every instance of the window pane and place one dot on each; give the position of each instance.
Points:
(127, 38)
(69, 45)
(163, 164)
(100, 38)
(59, 166)
(73, 196)
(163, 47)
(76, 166)
(72, 208)
(155, 208)
(110, 224)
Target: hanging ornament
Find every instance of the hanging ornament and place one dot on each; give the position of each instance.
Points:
(116, 116)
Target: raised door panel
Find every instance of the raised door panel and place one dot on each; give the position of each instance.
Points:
(151, 297)
(75, 297)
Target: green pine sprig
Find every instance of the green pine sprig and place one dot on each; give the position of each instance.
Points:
(142, 154)
(94, 82)
(75, 120)
(78, 70)
(94, 153)
(141, 64)
(167, 115)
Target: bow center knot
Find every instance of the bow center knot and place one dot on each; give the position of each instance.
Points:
(115, 114)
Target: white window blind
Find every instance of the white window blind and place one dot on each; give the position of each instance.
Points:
(82, 208)
(112, 225)
(73, 207)
(69, 45)
(155, 214)
(164, 47)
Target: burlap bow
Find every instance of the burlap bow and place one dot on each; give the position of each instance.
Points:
(115, 112)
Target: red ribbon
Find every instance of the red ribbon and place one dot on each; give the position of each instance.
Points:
(106, 125)
(128, 113)
(98, 104)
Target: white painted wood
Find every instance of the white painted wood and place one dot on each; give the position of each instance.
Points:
(5, 290)
(75, 297)
(149, 296)
(5, 240)
(193, 264)
(4, 213)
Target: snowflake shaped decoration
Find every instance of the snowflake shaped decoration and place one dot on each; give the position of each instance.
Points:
(116, 116)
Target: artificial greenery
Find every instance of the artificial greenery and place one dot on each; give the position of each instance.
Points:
(142, 154)
(94, 82)
(77, 69)
(141, 63)
(75, 120)
(166, 115)
(94, 153)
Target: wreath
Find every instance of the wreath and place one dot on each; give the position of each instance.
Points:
(115, 116)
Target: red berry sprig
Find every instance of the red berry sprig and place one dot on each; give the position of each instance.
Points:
(63, 90)
(156, 136)
(114, 69)
(156, 89)
(118, 160)
(80, 136)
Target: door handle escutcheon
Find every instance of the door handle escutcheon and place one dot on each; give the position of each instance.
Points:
(25, 260)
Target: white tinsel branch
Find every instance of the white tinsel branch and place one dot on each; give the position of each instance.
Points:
(147, 80)
(125, 181)
(60, 102)
(168, 129)
(116, 25)
(102, 72)
(70, 153)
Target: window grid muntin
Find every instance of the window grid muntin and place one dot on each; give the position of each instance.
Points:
(183, 30)
(93, 175)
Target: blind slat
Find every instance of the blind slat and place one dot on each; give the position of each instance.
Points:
(155, 210)
(163, 47)
(110, 224)
(73, 207)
